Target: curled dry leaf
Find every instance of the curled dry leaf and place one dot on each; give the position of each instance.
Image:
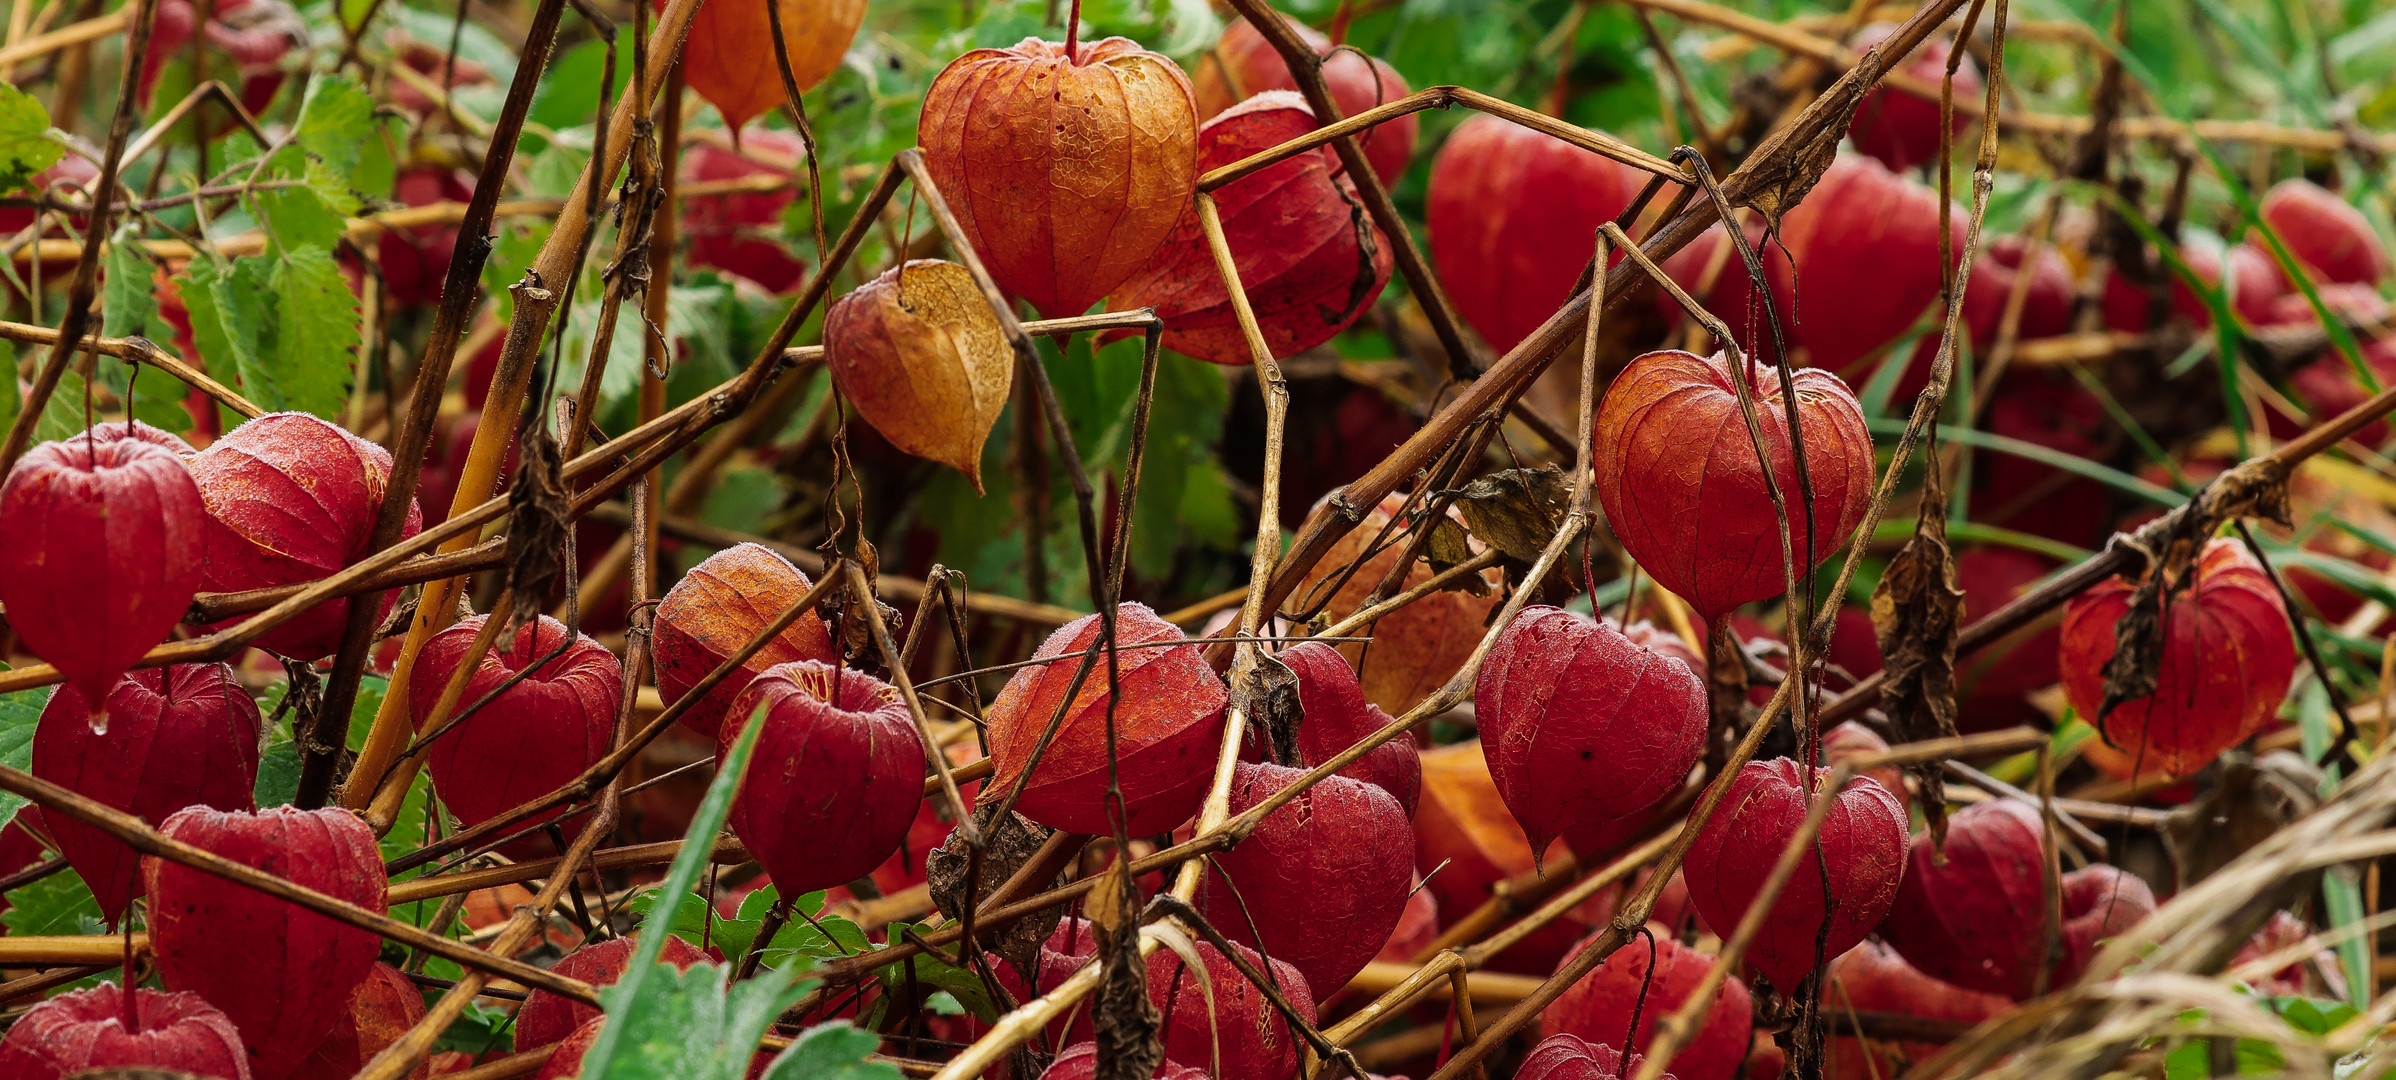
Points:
(2252, 801)
(1309, 259)
(1684, 491)
(1569, 1057)
(1416, 649)
(1321, 882)
(1336, 716)
(1167, 727)
(101, 553)
(921, 356)
(839, 774)
(2225, 659)
(714, 610)
(530, 740)
(1243, 64)
(291, 499)
(1837, 894)
(381, 1010)
(1916, 611)
(1065, 173)
(86, 1029)
(1005, 849)
(1513, 216)
(1124, 1018)
(1598, 1008)
(1975, 918)
(729, 56)
(1871, 977)
(1516, 511)
(1583, 729)
(176, 736)
(206, 931)
(548, 1019)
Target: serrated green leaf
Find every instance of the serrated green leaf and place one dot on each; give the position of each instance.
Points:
(128, 305)
(833, 1051)
(19, 713)
(287, 322)
(58, 904)
(26, 147)
(336, 125)
(930, 971)
(316, 349)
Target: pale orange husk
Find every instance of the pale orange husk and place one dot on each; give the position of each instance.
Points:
(923, 359)
(729, 56)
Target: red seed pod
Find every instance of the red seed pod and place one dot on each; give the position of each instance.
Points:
(1649, 635)
(1080, 1062)
(291, 499)
(1336, 717)
(1415, 649)
(547, 1018)
(1974, 920)
(1569, 1057)
(1243, 64)
(1860, 852)
(2255, 285)
(2227, 657)
(733, 233)
(714, 610)
(1897, 126)
(1066, 170)
(1513, 217)
(1418, 926)
(1865, 244)
(381, 1010)
(86, 1029)
(1685, 494)
(841, 777)
(1871, 977)
(1990, 683)
(531, 739)
(177, 736)
(2326, 233)
(1325, 877)
(113, 430)
(415, 259)
(1309, 264)
(1583, 728)
(1167, 728)
(1251, 1035)
(254, 34)
(284, 974)
(566, 1062)
(1853, 740)
(2281, 932)
(1598, 1008)
(99, 555)
(732, 61)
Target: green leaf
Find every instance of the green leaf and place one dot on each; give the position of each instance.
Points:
(128, 306)
(833, 1051)
(287, 322)
(665, 1023)
(336, 124)
(26, 147)
(930, 971)
(19, 713)
(58, 904)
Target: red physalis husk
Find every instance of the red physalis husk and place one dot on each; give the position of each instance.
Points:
(284, 974)
(1684, 492)
(1066, 172)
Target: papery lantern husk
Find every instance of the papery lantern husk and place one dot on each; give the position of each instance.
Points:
(1065, 174)
(923, 359)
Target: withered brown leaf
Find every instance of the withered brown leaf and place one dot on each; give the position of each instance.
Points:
(1006, 848)
(1915, 611)
(1516, 511)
